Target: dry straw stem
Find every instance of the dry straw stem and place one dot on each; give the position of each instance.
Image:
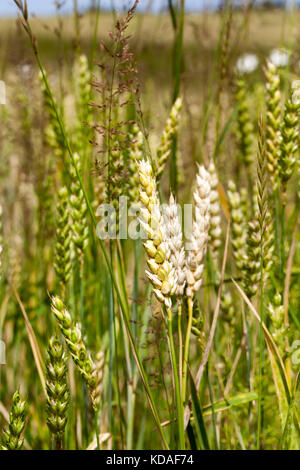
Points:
(161, 273)
(33, 343)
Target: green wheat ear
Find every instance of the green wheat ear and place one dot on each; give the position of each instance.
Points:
(53, 133)
(62, 263)
(251, 268)
(244, 125)
(17, 418)
(165, 147)
(238, 225)
(78, 211)
(73, 337)
(273, 115)
(288, 139)
(277, 327)
(57, 390)
(135, 156)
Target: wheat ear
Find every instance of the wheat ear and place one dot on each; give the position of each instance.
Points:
(73, 338)
(165, 147)
(62, 262)
(175, 242)
(17, 418)
(161, 272)
(57, 390)
(198, 244)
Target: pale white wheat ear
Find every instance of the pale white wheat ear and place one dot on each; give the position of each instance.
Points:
(174, 239)
(199, 238)
(215, 230)
(161, 273)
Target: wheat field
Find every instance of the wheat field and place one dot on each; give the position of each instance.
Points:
(150, 230)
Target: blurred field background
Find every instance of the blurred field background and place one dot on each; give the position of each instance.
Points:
(252, 31)
(31, 174)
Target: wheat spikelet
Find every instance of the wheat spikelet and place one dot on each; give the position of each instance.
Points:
(273, 98)
(78, 211)
(288, 139)
(57, 390)
(85, 88)
(227, 306)
(278, 329)
(262, 211)
(73, 338)
(17, 418)
(83, 79)
(62, 262)
(215, 230)
(161, 272)
(53, 134)
(135, 156)
(238, 225)
(199, 237)
(174, 238)
(244, 124)
(197, 330)
(99, 374)
(165, 147)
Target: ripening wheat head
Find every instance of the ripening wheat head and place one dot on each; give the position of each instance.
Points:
(161, 272)
(174, 238)
(199, 238)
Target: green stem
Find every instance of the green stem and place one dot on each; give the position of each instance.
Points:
(96, 430)
(176, 382)
(187, 347)
(180, 342)
(261, 311)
